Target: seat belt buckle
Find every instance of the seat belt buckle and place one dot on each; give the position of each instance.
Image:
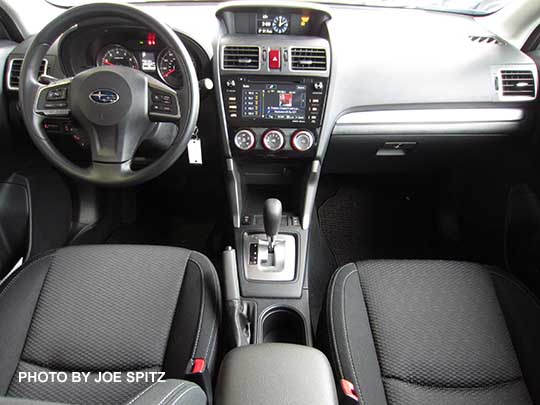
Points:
(349, 391)
(197, 372)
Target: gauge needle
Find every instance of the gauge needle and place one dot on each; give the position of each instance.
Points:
(106, 62)
(169, 72)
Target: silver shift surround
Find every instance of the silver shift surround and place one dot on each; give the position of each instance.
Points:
(258, 272)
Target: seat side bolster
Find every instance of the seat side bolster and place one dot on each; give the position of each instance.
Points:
(351, 341)
(206, 345)
(16, 312)
(176, 392)
(196, 320)
(521, 311)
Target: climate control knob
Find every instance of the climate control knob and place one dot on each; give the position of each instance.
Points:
(244, 139)
(273, 140)
(302, 140)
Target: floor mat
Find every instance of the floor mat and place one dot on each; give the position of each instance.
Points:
(168, 231)
(385, 221)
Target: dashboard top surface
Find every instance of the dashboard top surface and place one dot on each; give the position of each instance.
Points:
(378, 54)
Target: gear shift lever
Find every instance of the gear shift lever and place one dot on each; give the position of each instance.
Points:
(272, 220)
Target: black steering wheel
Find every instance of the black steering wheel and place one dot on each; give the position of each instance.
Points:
(118, 107)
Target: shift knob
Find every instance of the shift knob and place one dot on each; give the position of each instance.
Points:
(272, 217)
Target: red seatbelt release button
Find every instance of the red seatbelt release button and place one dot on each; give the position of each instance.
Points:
(348, 389)
(199, 366)
(274, 59)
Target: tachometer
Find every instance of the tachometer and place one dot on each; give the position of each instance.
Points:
(169, 69)
(117, 55)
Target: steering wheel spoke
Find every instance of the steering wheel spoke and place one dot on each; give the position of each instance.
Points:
(163, 105)
(53, 100)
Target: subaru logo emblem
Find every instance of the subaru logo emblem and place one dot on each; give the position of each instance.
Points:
(104, 96)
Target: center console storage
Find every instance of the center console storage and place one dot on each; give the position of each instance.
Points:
(276, 374)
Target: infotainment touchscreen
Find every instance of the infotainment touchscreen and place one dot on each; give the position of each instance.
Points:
(274, 101)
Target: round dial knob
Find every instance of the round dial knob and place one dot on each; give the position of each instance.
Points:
(244, 139)
(273, 140)
(302, 140)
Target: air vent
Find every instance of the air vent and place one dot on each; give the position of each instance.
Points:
(14, 72)
(485, 40)
(308, 59)
(241, 57)
(517, 83)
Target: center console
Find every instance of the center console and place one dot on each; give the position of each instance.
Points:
(272, 73)
(273, 374)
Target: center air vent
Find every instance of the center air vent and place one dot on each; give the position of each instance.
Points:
(14, 72)
(241, 57)
(308, 59)
(517, 83)
(485, 40)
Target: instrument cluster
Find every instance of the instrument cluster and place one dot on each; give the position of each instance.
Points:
(131, 47)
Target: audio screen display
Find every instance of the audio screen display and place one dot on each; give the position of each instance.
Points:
(274, 101)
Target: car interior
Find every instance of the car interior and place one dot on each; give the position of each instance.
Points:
(269, 202)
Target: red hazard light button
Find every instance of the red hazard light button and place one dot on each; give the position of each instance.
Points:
(274, 59)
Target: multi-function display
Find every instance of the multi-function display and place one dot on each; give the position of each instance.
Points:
(274, 101)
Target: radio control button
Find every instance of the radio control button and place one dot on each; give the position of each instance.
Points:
(302, 140)
(244, 139)
(273, 140)
(318, 86)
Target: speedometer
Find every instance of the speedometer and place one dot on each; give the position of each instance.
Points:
(117, 55)
(169, 69)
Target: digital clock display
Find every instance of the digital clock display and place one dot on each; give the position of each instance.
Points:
(273, 24)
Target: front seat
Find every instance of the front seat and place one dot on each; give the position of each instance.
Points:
(433, 332)
(115, 308)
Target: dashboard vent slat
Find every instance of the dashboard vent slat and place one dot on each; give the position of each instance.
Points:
(308, 59)
(241, 57)
(14, 72)
(518, 83)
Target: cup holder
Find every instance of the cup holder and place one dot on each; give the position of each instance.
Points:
(283, 325)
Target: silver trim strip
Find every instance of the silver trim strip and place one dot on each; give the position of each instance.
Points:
(12, 88)
(435, 116)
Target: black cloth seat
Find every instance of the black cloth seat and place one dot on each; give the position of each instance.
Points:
(117, 308)
(434, 332)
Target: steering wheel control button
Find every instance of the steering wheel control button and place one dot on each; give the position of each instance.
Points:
(274, 59)
(57, 94)
(163, 105)
(302, 140)
(273, 140)
(244, 139)
(52, 100)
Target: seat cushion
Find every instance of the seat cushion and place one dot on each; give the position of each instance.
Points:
(434, 332)
(106, 308)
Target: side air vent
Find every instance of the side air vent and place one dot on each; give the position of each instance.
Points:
(241, 57)
(308, 59)
(517, 83)
(485, 40)
(14, 72)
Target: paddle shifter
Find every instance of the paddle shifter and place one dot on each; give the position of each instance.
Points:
(272, 221)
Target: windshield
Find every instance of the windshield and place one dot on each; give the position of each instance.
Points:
(475, 7)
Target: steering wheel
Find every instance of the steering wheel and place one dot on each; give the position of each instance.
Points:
(118, 107)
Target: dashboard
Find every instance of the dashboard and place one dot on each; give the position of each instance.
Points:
(293, 80)
(129, 46)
